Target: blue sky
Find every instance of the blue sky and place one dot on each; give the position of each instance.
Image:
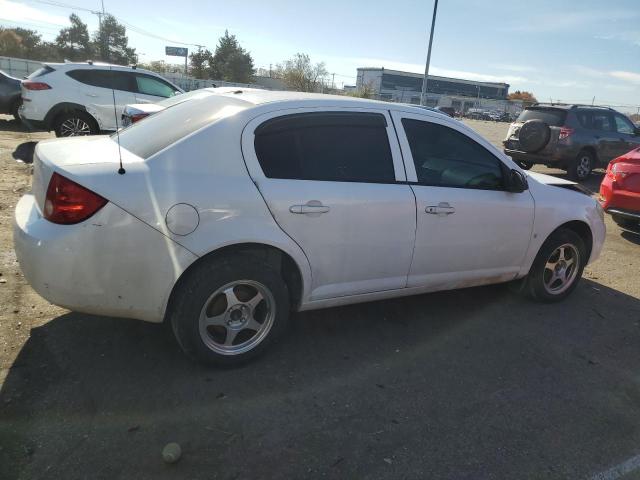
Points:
(568, 50)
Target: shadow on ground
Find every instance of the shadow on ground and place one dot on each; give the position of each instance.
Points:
(24, 152)
(10, 124)
(477, 383)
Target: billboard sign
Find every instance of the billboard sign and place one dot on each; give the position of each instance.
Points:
(176, 51)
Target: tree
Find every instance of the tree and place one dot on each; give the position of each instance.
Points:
(20, 42)
(231, 62)
(73, 42)
(526, 97)
(111, 43)
(200, 63)
(298, 73)
(365, 91)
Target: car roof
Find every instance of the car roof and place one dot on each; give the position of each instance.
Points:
(568, 106)
(96, 66)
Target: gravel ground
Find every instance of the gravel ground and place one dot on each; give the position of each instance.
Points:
(471, 384)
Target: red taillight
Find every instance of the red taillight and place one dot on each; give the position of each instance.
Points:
(138, 116)
(30, 85)
(565, 132)
(68, 203)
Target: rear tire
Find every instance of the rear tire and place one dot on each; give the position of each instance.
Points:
(228, 310)
(557, 268)
(74, 124)
(14, 111)
(580, 168)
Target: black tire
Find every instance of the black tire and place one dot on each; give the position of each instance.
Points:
(537, 284)
(63, 124)
(624, 222)
(580, 168)
(524, 165)
(533, 136)
(197, 294)
(14, 111)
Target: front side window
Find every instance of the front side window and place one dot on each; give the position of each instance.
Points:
(444, 157)
(623, 125)
(153, 86)
(331, 146)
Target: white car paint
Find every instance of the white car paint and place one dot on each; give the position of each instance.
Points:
(39, 105)
(363, 249)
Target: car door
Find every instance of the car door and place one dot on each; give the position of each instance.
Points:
(331, 181)
(152, 89)
(603, 125)
(470, 230)
(627, 138)
(102, 91)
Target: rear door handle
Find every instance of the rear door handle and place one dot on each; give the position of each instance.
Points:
(93, 95)
(443, 208)
(313, 206)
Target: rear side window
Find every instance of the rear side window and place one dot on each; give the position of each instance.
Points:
(105, 79)
(444, 157)
(623, 125)
(551, 116)
(148, 85)
(602, 122)
(331, 146)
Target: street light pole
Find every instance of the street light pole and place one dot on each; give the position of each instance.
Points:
(423, 97)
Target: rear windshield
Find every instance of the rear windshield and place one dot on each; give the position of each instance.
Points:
(166, 127)
(551, 116)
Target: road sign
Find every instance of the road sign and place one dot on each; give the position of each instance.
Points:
(176, 51)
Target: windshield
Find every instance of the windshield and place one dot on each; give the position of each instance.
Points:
(552, 116)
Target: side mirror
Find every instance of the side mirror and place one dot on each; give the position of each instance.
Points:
(517, 182)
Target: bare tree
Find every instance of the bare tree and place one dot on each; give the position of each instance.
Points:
(298, 73)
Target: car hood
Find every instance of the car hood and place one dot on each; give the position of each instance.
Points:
(548, 179)
(143, 108)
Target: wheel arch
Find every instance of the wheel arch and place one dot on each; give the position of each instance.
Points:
(284, 263)
(582, 229)
(64, 107)
(593, 151)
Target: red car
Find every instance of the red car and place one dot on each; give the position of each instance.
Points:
(620, 189)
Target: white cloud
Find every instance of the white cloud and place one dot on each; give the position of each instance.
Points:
(433, 70)
(19, 12)
(559, 20)
(631, 77)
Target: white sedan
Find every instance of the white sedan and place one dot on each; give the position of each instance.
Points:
(222, 215)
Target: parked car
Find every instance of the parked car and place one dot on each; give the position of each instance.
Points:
(137, 111)
(575, 138)
(447, 110)
(231, 211)
(9, 94)
(620, 189)
(80, 98)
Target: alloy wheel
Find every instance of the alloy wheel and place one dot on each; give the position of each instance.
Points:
(584, 167)
(237, 317)
(74, 127)
(561, 269)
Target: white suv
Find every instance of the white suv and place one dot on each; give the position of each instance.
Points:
(87, 98)
(222, 214)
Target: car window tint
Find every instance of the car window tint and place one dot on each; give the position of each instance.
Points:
(444, 157)
(104, 79)
(602, 122)
(584, 118)
(553, 117)
(623, 125)
(332, 146)
(153, 86)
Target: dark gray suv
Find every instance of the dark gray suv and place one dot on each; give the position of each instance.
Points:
(575, 138)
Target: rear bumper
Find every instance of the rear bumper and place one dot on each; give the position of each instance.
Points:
(112, 264)
(559, 155)
(33, 125)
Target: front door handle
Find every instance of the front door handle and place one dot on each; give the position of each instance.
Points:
(311, 207)
(93, 95)
(443, 208)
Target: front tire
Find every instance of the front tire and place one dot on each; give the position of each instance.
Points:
(580, 168)
(228, 310)
(75, 124)
(557, 268)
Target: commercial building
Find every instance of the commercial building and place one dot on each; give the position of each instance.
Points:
(406, 87)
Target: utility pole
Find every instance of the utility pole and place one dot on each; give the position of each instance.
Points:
(333, 78)
(106, 39)
(269, 70)
(423, 97)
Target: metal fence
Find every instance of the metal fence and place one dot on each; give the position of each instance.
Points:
(18, 67)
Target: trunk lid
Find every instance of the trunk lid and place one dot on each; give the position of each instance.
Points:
(57, 155)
